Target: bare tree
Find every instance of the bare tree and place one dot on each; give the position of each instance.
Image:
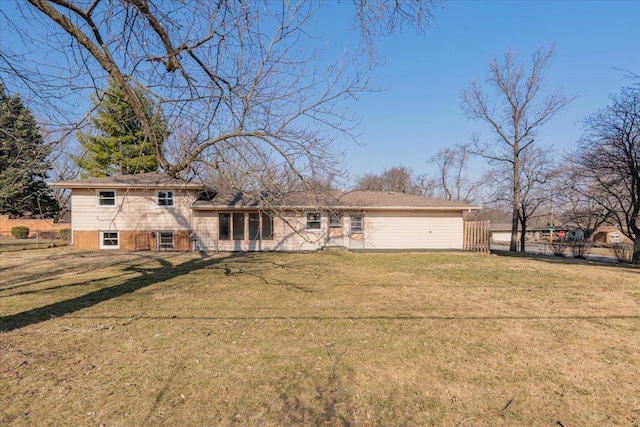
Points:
(577, 205)
(537, 182)
(451, 178)
(63, 168)
(248, 78)
(537, 178)
(514, 107)
(398, 179)
(608, 158)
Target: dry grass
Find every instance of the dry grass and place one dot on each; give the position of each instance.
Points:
(8, 244)
(339, 339)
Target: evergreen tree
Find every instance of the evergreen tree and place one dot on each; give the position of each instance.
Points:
(23, 161)
(120, 146)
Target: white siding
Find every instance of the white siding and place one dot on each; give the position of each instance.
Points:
(413, 230)
(382, 230)
(134, 210)
(289, 235)
(501, 236)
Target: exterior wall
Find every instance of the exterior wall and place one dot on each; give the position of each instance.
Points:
(134, 210)
(500, 236)
(138, 221)
(88, 240)
(413, 230)
(610, 237)
(132, 240)
(135, 214)
(286, 238)
(382, 230)
(35, 225)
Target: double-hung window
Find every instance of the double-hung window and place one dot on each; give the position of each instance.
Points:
(314, 221)
(109, 240)
(165, 198)
(357, 223)
(106, 198)
(335, 220)
(165, 241)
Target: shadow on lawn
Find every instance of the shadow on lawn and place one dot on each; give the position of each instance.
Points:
(147, 277)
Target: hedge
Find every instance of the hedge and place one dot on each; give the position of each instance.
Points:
(20, 232)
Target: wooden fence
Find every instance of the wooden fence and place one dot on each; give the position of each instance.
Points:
(477, 236)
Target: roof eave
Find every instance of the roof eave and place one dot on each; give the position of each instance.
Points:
(315, 207)
(71, 186)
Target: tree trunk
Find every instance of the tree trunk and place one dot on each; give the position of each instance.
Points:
(523, 231)
(636, 251)
(513, 247)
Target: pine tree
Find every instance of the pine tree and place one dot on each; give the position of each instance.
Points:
(23, 161)
(120, 146)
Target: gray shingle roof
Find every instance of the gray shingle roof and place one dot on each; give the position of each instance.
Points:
(334, 199)
(140, 180)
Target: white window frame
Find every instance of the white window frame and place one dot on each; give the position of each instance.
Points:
(172, 199)
(359, 229)
(335, 219)
(318, 221)
(173, 240)
(102, 239)
(98, 199)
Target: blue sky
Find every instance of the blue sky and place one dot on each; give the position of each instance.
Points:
(420, 111)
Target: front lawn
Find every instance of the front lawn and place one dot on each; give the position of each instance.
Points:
(339, 339)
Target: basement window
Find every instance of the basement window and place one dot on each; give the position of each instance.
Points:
(109, 240)
(165, 241)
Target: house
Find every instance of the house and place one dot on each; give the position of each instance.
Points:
(501, 232)
(609, 234)
(152, 211)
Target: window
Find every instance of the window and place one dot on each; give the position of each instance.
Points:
(109, 240)
(164, 199)
(238, 226)
(224, 226)
(254, 226)
(314, 221)
(267, 227)
(357, 223)
(106, 198)
(335, 220)
(165, 240)
(242, 226)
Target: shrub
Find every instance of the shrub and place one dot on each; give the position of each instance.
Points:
(558, 247)
(20, 232)
(65, 234)
(623, 252)
(581, 249)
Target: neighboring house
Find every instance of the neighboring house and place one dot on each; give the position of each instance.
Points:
(154, 212)
(501, 233)
(609, 234)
